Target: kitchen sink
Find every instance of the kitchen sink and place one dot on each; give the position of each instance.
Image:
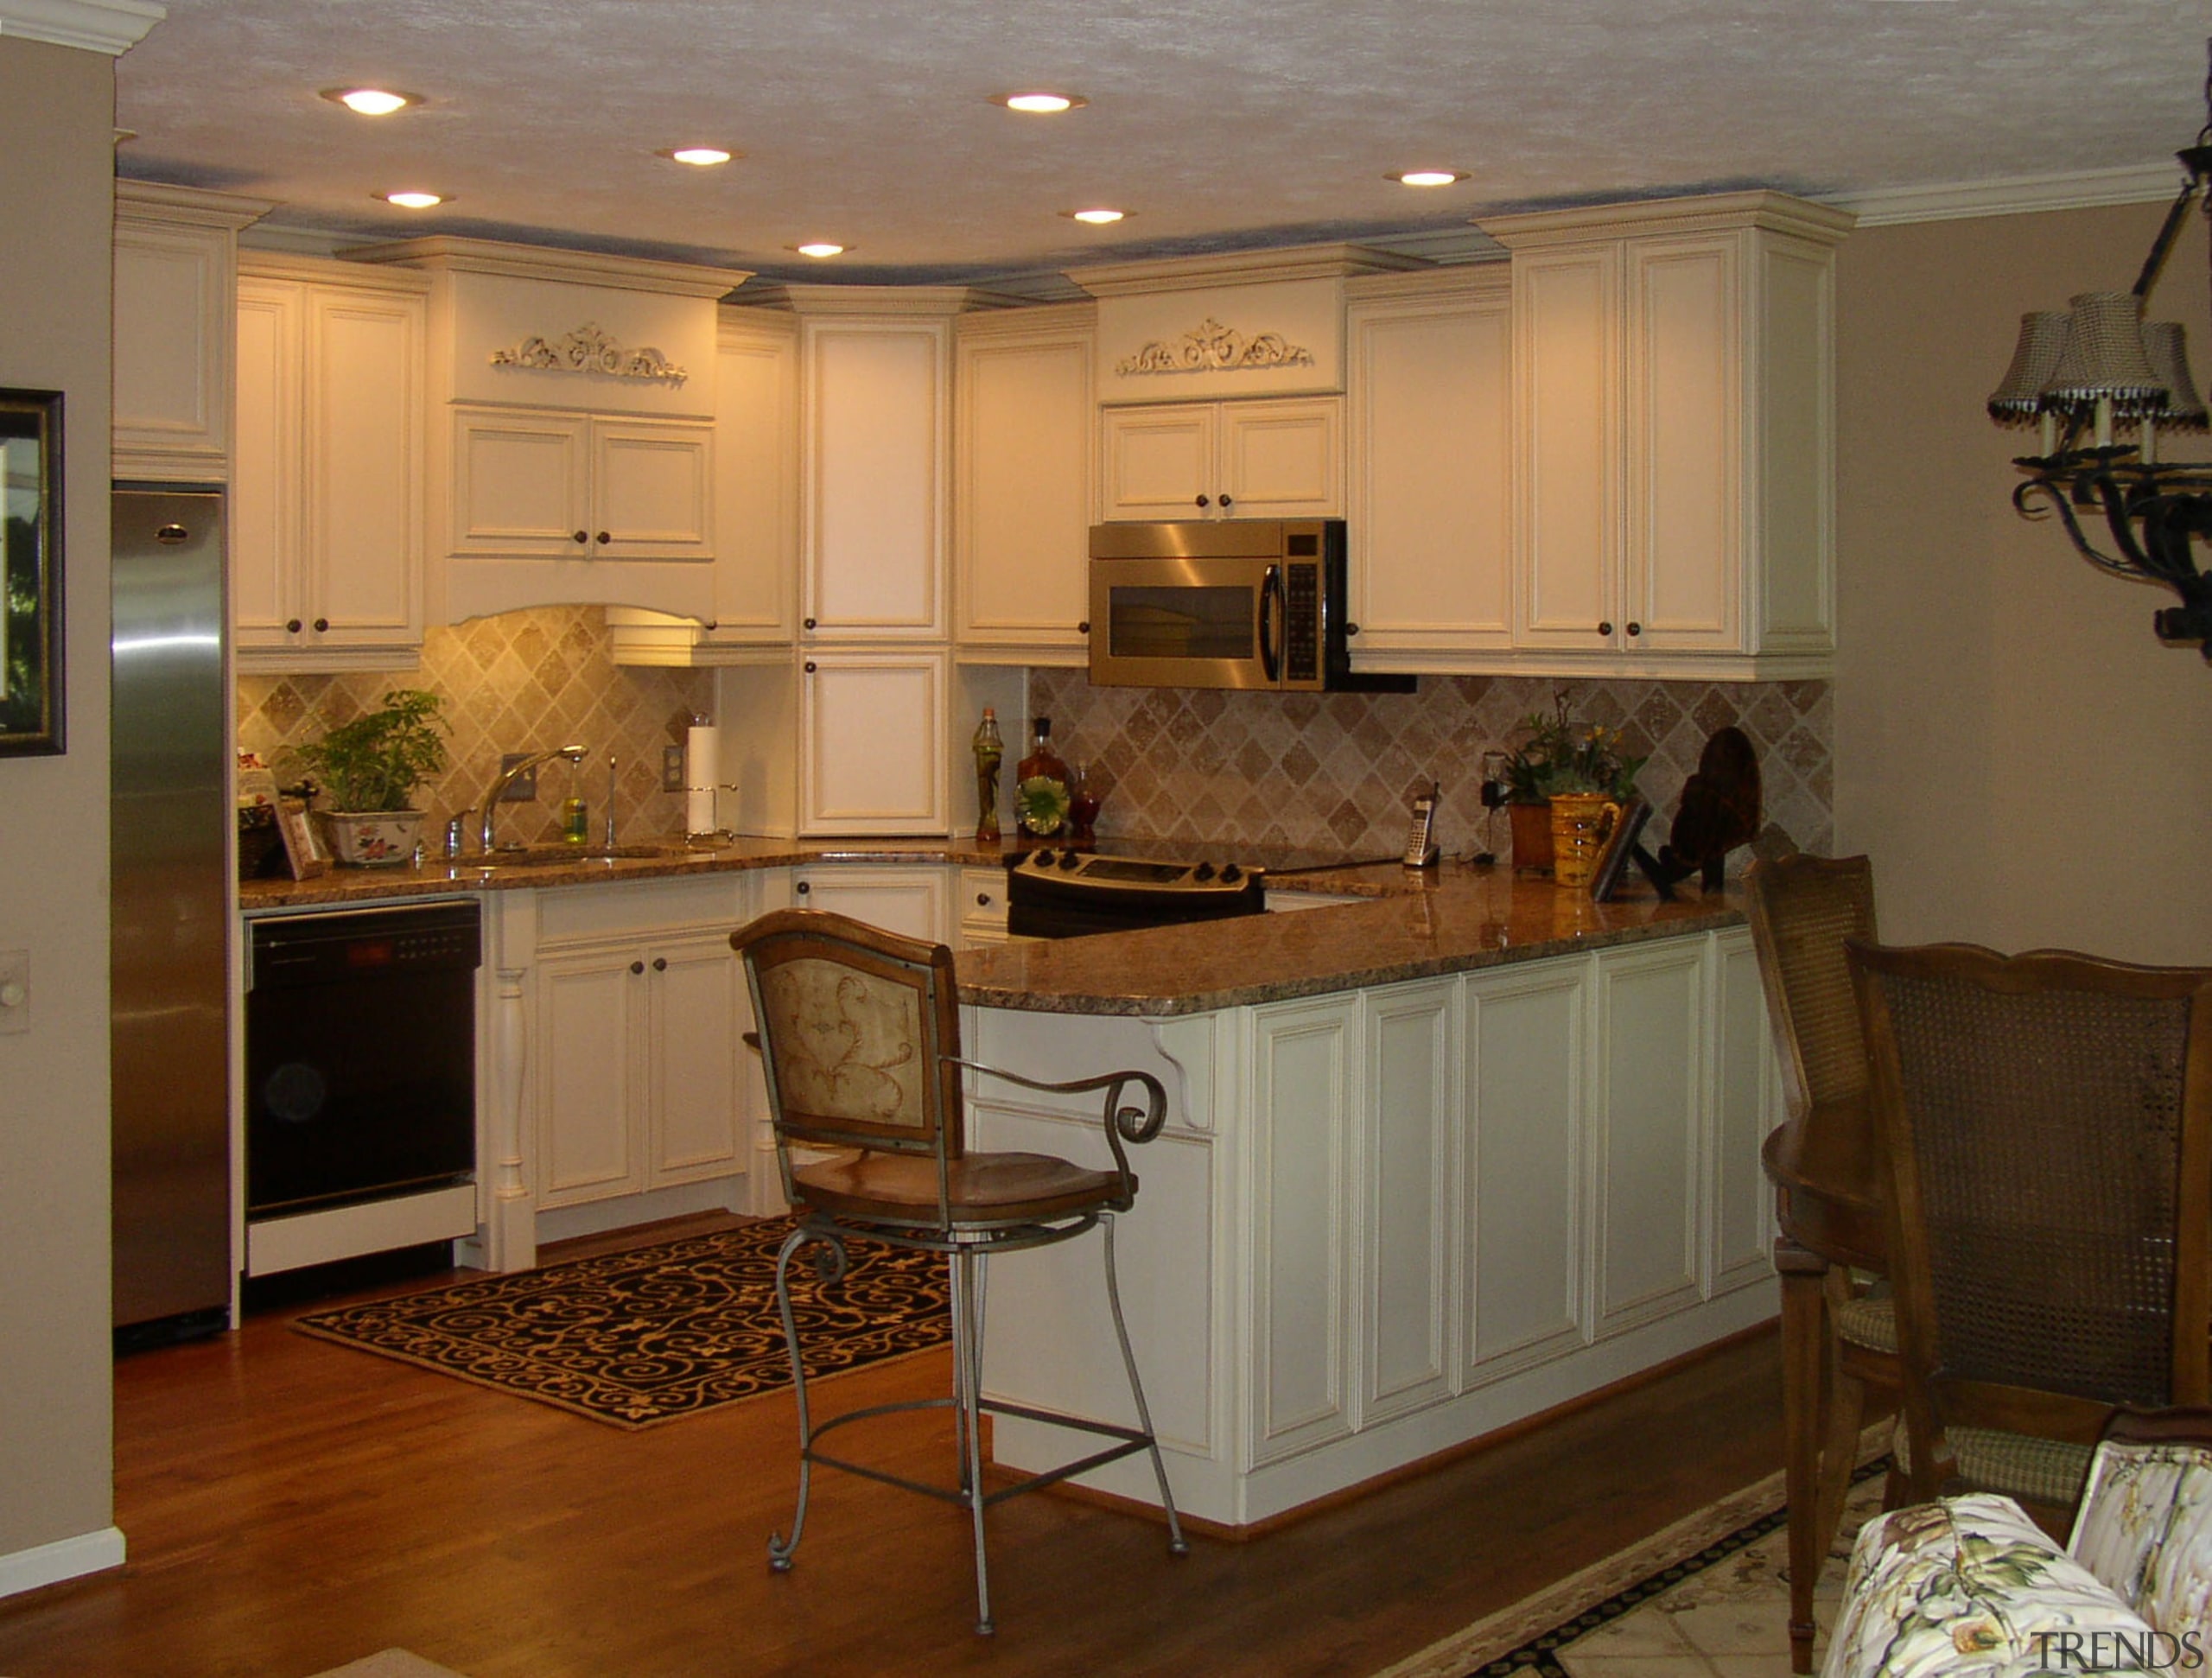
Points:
(571, 856)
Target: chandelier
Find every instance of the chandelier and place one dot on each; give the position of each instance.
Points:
(2087, 373)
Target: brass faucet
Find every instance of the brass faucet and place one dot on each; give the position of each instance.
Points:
(507, 778)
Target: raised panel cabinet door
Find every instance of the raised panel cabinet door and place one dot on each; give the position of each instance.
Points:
(1431, 470)
(1022, 515)
(1684, 444)
(652, 490)
(908, 900)
(589, 1095)
(1522, 1168)
(1282, 458)
(1412, 1103)
(1646, 1125)
(756, 486)
(872, 743)
(172, 330)
(521, 484)
(699, 1011)
(1158, 460)
(265, 518)
(363, 552)
(1305, 1319)
(1746, 1105)
(876, 412)
(1566, 437)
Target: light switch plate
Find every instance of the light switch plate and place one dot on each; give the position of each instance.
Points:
(14, 990)
(672, 769)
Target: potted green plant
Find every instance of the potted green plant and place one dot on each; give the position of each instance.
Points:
(1556, 754)
(370, 768)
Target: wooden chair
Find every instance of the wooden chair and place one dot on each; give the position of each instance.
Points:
(859, 1034)
(2046, 1120)
(1839, 1342)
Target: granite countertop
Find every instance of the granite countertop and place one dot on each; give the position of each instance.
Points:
(549, 868)
(1422, 923)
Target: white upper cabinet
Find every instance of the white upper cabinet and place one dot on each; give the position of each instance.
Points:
(1430, 503)
(875, 407)
(1674, 435)
(573, 442)
(325, 524)
(873, 756)
(1272, 457)
(175, 268)
(1022, 497)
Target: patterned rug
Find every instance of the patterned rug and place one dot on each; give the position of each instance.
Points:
(1706, 1598)
(642, 1336)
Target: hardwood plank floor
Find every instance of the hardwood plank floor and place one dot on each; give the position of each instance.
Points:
(291, 1505)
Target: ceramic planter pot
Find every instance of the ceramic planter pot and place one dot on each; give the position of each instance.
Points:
(1581, 823)
(371, 838)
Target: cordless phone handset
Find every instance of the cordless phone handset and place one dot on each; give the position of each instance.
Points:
(1420, 852)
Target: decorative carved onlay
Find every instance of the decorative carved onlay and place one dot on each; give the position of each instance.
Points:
(1211, 348)
(590, 349)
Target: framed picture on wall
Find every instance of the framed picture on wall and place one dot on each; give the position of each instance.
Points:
(302, 850)
(30, 574)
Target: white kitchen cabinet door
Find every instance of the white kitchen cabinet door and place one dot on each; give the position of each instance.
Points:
(1282, 458)
(1410, 1090)
(363, 476)
(522, 483)
(1431, 471)
(1566, 459)
(1304, 1068)
(1646, 1131)
(590, 1085)
(1159, 461)
(1022, 509)
(699, 1011)
(872, 742)
(1746, 1086)
(651, 490)
(756, 486)
(908, 900)
(264, 510)
(1521, 1169)
(876, 415)
(980, 907)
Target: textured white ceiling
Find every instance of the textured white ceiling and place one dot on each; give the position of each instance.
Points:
(1220, 123)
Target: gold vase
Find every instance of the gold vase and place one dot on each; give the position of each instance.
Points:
(1581, 823)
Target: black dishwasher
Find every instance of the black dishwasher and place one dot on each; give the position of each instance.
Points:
(360, 1041)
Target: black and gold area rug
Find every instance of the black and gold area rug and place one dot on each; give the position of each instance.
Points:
(642, 1336)
(1707, 1597)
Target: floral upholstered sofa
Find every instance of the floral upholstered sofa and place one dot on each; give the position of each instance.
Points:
(1970, 1588)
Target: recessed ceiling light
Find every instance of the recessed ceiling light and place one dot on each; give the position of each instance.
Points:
(697, 156)
(818, 248)
(1427, 177)
(1040, 103)
(412, 200)
(371, 101)
(1097, 217)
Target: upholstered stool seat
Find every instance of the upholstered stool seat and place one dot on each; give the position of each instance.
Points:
(980, 1188)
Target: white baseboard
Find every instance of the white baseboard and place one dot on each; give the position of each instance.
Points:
(65, 1558)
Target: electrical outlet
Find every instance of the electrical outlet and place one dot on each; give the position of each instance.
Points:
(14, 990)
(523, 787)
(672, 769)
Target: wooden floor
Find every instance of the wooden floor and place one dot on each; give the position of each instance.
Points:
(291, 1505)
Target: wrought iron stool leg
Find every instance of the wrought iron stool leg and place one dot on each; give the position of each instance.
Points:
(1177, 1544)
(968, 1388)
(781, 1549)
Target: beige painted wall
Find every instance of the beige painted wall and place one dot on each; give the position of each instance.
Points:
(56, 115)
(2025, 762)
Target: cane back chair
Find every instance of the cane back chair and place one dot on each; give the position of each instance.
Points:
(859, 1030)
(1839, 1339)
(2046, 1120)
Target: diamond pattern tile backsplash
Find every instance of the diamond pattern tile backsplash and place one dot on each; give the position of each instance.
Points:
(519, 682)
(1340, 769)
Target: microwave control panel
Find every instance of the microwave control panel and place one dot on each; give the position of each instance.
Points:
(1301, 622)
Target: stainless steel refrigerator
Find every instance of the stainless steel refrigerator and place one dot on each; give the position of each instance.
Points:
(172, 906)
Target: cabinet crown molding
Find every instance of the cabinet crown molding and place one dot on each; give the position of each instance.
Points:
(258, 263)
(194, 206)
(1771, 212)
(877, 300)
(1302, 262)
(112, 26)
(529, 262)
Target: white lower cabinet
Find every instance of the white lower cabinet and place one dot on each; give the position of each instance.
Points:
(910, 900)
(979, 906)
(1408, 1201)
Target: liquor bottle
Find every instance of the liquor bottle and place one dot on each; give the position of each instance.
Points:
(1040, 789)
(990, 752)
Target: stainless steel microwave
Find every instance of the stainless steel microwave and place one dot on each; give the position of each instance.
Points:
(1223, 603)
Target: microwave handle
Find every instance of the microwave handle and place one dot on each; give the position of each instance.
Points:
(1272, 606)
